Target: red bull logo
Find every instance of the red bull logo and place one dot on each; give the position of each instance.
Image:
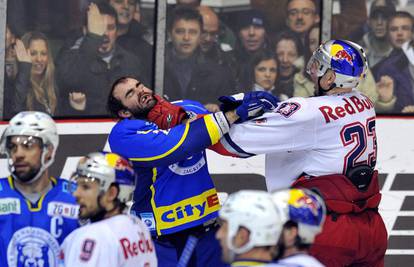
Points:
(339, 53)
(118, 162)
(309, 203)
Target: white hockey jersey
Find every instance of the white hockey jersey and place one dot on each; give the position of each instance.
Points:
(297, 260)
(121, 240)
(316, 136)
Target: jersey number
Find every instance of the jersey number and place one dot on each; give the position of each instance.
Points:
(357, 135)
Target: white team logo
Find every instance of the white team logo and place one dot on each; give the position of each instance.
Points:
(193, 167)
(34, 247)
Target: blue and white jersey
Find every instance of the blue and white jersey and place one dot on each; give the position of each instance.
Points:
(175, 189)
(32, 233)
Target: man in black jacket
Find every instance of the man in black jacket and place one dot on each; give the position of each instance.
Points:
(87, 69)
(189, 74)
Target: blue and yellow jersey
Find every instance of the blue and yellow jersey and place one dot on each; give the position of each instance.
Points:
(32, 233)
(174, 189)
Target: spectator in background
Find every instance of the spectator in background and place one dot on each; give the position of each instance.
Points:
(302, 15)
(288, 49)
(16, 72)
(252, 39)
(263, 74)
(42, 92)
(87, 69)
(188, 73)
(349, 24)
(188, 3)
(210, 45)
(396, 80)
(400, 28)
(375, 41)
(130, 34)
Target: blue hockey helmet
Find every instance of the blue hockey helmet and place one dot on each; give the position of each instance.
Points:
(305, 208)
(347, 59)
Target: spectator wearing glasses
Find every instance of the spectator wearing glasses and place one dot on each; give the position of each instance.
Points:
(210, 44)
(302, 15)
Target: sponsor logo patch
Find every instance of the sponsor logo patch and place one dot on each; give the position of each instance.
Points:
(9, 205)
(148, 219)
(62, 209)
(31, 246)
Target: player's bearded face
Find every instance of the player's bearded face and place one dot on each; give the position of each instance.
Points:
(25, 153)
(86, 195)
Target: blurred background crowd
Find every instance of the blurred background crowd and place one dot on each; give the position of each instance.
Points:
(61, 57)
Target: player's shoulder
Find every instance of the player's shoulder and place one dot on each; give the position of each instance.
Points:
(130, 126)
(298, 108)
(97, 231)
(64, 188)
(191, 106)
(300, 259)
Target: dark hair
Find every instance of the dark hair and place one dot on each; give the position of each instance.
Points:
(185, 13)
(105, 9)
(402, 14)
(289, 35)
(113, 104)
(265, 54)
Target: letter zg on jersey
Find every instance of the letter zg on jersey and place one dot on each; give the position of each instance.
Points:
(188, 210)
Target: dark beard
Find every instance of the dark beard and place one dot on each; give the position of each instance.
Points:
(141, 113)
(28, 176)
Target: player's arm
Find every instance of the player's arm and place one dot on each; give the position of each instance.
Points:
(150, 146)
(291, 128)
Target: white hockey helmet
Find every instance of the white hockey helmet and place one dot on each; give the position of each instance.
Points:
(33, 124)
(108, 168)
(347, 59)
(305, 208)
(254, 210)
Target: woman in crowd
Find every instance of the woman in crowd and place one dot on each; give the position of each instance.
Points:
(42, 92)
(263, 73)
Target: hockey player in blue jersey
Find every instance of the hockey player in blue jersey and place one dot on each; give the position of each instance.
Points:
(37, 211)
(176, 197)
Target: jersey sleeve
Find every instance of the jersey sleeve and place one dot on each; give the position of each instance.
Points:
(292, 127)
(147, 145)
(88, 248)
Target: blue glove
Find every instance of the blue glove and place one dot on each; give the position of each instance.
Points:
(249, 105)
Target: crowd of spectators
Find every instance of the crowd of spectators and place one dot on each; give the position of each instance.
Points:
(62, 56)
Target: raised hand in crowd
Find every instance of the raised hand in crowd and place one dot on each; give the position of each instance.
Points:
(408, 109)
(96, 21)
(385, 88)
(77, 100)
(21, 52)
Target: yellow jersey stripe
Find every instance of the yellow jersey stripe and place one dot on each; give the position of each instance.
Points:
(212, 128)
(187, 127)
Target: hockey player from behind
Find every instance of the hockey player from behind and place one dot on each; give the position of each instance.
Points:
(250, 228)
(327, 143)
(105, 183)
(37, 211)
(304, 213)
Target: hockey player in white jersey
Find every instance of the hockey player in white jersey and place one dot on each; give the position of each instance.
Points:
(105, 183)
(326, 142)
(305, 214)
(250, 228)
